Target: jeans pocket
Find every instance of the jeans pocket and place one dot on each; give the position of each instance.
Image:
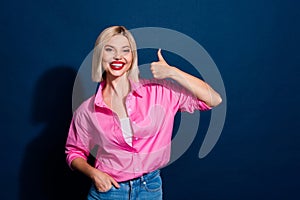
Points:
(153, 184)
(110, 189)
(94, 193)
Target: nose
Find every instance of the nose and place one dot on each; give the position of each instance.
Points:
(117, 56)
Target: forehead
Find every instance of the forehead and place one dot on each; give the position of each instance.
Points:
(118, 41)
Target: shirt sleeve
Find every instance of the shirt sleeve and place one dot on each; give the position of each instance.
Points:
(187, 102)
(77, 144)
(190, 104)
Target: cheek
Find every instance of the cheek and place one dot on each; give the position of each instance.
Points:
(128, 58)
(105, 57)
(105, 60)
(105, 64)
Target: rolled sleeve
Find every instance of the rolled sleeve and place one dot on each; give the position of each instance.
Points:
(190, 104)
(201, 105)
(77, 142)
(185, 100)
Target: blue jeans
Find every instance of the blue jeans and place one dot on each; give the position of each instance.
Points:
(146, 187)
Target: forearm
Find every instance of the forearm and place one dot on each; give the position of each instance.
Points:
(196, 86)
(83, 166)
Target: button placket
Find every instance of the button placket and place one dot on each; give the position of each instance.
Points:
(136, 167)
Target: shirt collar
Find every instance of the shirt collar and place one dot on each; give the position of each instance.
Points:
(98, 96)
(135, 87)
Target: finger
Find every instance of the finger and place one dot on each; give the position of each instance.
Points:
(102, 188)
(153, 64)
(160, 57)
(115, 183)
(105, 188)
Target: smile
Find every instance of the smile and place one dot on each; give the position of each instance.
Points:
(117, 65)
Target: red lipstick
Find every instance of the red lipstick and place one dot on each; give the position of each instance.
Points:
(117, 65)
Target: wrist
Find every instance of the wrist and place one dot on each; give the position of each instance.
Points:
(92, 172)
(173, 74)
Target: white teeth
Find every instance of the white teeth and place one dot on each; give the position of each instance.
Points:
(117, 65)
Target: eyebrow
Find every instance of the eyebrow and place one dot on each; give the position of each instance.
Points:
(114, 47)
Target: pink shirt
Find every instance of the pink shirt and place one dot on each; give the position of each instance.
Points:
(151, 106)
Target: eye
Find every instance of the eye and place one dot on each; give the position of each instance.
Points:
(108, 49)
(126, 50)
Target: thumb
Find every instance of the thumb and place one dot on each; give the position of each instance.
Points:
(160, 57)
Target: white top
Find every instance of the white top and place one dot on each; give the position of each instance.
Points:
(126, 129)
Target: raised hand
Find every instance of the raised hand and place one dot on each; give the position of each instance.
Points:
(161, 69)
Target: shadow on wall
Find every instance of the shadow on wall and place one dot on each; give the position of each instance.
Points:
(44, 172)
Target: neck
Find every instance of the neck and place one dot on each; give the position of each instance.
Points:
(118, 87)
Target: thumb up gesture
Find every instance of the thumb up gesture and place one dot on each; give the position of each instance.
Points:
(161, 69)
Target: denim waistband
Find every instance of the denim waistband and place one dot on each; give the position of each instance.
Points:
(144, 177)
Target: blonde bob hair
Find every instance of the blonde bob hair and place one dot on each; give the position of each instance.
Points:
(98, 73)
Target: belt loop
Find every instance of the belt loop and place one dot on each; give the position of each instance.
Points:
(142, 178)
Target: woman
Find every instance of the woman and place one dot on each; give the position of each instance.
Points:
(129, 121)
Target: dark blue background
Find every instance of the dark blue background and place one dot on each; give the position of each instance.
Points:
(255, 45)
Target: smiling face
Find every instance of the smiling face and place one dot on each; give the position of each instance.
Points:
(117, 56)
